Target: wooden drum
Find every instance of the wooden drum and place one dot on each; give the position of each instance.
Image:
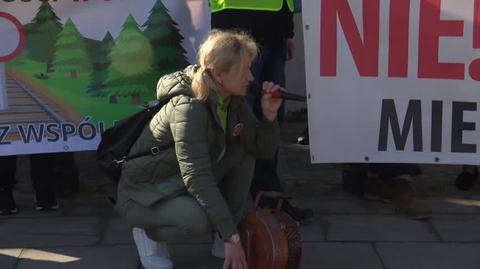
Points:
(271, 238)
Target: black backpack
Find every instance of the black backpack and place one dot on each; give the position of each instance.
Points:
(112, 152)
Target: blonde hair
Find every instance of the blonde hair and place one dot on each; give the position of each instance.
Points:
(221, 50)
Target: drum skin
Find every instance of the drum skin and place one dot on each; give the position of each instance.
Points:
(271, 240)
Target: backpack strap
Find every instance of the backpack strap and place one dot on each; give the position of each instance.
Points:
(153, 151)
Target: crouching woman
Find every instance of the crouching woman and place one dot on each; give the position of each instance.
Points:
(201, 183)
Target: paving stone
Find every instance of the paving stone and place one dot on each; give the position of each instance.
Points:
(315, 255)
(475, 201)
(8, 257)
(48, 232)
(458, 227)
(348, 205)
(451, 205)
(377, 228)
(312, 232)
(429, 255)
(88, 206)
(475, 196)
(194, 256)
(92, 257)
(339, 255)
(79, 210)
(116, 231)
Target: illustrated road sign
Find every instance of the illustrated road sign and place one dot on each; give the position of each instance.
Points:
(12, 41)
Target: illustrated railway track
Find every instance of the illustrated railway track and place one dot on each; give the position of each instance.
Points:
(26, 107)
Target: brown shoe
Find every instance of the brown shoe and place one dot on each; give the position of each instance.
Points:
(401, 192)
(409, 200)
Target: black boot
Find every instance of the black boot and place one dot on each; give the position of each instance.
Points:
(45, 200)
(7, 203)
(466, 179)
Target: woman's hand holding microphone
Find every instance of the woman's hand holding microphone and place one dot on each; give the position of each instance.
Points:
(270, 104)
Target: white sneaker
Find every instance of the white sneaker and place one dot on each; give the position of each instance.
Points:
(153, 255)
(218, 248)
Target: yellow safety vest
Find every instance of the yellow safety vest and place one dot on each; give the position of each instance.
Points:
(267, 5)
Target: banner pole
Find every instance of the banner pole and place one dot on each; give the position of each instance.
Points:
(3, 88)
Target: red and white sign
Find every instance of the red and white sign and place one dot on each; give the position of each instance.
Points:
(393, 80)
(12, 37)
(12, 40)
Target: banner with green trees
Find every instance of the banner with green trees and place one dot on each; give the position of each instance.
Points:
(71, 69)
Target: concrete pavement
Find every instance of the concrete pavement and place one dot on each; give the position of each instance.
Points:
(346, 232)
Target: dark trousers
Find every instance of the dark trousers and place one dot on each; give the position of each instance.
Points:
(41, 171)
(66, 174)
(268, 66)
(392, 170)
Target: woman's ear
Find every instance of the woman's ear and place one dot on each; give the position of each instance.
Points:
(216, 75)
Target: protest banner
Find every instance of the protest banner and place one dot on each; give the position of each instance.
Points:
(393, 80)
(70, 69)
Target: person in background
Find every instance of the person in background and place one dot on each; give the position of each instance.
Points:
(43, 181)
(395, 183)
(387, 182)
(466, 179)
(66, 174)
(270, 22)
(200, 184)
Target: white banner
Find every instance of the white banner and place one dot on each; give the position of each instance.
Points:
(70, 69)
(393, 80)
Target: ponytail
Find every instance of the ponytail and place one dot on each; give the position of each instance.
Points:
(221, 50)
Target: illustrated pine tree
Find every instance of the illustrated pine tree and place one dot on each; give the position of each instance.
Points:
(70, 51)
(166, 40)
(42, 34)
(98, 77)
(130, 71)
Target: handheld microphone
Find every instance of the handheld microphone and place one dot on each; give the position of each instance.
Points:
(287, 96)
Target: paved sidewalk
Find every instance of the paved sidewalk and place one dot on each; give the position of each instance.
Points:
(346, 232)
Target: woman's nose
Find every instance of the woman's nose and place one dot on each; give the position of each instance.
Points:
(250, 75)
